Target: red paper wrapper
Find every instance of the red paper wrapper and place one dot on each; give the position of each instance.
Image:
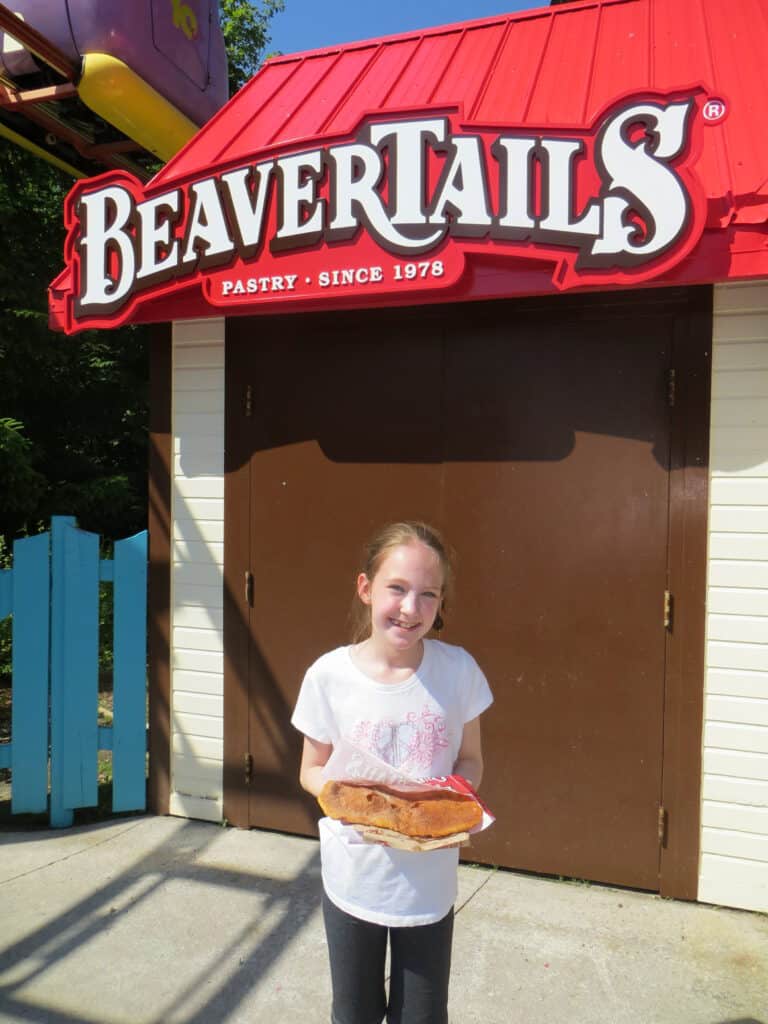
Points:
(461, 785)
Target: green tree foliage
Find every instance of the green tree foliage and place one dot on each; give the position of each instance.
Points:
(245, 26)
(74, 410)
(22, 484)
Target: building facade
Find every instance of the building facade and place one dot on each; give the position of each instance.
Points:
(508, 276)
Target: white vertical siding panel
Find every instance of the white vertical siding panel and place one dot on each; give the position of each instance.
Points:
(205, 444)
(196, 424)
(732, 488)
(205, 400)
(196, 747)
(196, 355)
(736, 764)
(733, 882)
(732, 411)
(197, 663)
(742, 384)
(752, 575)
(198, 550)
(739, 546)
(737, 439)
(184, 805)
(207, 683)
(207, 574)
(734, 838)
(735, 843)
(733, 461)
(205, 639)
(198, 597)
(194, 511)
(207, 531)
(738, 627)
(189, 617)
(737, 736)
(188, 379)
(738, 356)
(739, 601)
(742, 710)
(723, 789)
(737, 683)
(734, 817)
(722, 654)
(204, 726)
(199, 487)
(209, 462)
(195, 703)
(744, 299)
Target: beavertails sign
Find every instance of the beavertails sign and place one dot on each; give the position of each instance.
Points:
(394, 213)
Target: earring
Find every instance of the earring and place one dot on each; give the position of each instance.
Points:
(438, 624)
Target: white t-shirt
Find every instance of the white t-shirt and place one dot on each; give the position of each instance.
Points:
(416, 726)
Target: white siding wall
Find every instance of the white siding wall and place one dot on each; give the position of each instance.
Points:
(734, 860)
(197, 545)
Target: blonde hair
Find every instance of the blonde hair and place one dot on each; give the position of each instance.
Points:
(393, 535)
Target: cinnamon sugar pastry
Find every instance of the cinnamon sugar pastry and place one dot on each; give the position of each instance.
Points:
(432, 814)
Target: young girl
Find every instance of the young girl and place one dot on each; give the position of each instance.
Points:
(414, 703)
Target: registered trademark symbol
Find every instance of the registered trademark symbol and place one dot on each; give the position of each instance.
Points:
(714, 110)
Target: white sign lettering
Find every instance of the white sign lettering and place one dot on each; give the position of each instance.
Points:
(408, 185)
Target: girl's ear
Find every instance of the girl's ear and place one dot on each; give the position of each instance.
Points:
(364, 588)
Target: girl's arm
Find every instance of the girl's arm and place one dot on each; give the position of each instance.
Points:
(313, 759)
(469, 763)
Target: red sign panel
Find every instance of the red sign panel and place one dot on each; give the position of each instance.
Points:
(396, 211)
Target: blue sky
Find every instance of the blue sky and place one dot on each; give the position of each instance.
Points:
(308, 24)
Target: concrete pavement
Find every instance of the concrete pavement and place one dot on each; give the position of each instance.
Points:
(154, 920)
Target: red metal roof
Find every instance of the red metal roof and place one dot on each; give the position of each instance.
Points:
(555, 67)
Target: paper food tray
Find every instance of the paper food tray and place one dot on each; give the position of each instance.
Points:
(401, 842)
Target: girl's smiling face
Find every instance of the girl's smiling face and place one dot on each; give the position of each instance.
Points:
(404, 595)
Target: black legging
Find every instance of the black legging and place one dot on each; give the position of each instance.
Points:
(420, 968)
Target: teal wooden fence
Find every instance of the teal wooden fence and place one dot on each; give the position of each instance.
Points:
(52, 592)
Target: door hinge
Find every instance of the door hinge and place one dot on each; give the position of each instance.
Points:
(663, 820)
(249, 588)
(669, 602)
(671, 387)
(248, 759)
(249, 401)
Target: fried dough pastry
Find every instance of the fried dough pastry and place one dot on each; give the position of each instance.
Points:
(432, 814)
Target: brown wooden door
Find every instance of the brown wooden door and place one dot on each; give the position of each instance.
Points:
(540, 444)
(344, 438)
(557, 484)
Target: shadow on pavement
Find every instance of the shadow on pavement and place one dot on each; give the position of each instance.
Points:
(294, 900)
